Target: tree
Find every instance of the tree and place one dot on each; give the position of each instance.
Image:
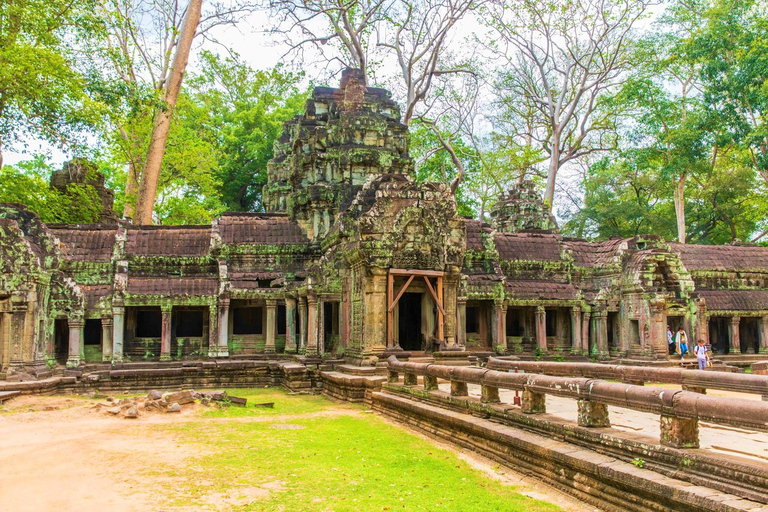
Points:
(563, 60)
(247, 109)
(42, 94)
(145, 201)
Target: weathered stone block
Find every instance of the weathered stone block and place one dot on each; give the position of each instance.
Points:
(393, 377)
(410, 379)
(430, 382)
(679, 432)
(489, 395)
(593, 414)
(534, 403)
(459, 388)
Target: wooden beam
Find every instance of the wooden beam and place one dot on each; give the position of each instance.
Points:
(408, 272)
(400, 292)
(437, 299)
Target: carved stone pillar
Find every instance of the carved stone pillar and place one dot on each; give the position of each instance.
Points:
(312, 326)
(575, 330)
(118, 332)
(271, 326)
(659, 345)
(585, 331)
(223, 339)
(303, 325)
(75, 333)
(601, 331)
(541, 328)
(461, 322)
(500, 327)
(106, 339)
(764, 335)
(165, 336)
(290, 325)
(735, 336)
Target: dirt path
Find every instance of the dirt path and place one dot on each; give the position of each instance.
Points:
(74, 458)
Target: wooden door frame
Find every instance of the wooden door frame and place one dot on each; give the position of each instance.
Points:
(435, 292)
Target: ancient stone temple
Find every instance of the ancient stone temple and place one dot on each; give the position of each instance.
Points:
(356, 259)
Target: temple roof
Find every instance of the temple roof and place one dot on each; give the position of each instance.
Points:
(722, 257)
(189, 241)
(93, 243)
(260, 228)
(735, 300)
(528, 246)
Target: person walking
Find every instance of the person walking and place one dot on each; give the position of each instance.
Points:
(702, 355)
(671, 341)
(681, 340)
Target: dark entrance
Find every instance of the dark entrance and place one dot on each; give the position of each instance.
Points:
(749, 335)
(718, 334)
(409, 325)
(61, 340)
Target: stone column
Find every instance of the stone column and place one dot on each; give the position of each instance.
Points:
(165, 337)
(500, 327)
(312, 324)
(764, 335)
(106, 339)
(303, 325)
(75, 333)
(320, 322)
(290, 325)
(450, 305)
(461, 322)
(118, 332)
(735, 336)
(223, 344)
(585, 332)
(659, 345)
(375, 324)
(271, 326)
(575, 330)
(541, 328)
(601, 330)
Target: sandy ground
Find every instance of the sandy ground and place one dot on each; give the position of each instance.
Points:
(57, 453)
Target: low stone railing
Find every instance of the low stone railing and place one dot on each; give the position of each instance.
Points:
(690, 380)
(679, 411)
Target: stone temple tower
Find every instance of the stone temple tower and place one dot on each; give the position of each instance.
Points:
(521, 209)
(325, 155)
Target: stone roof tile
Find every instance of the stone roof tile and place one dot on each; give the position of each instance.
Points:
(86, 243)
(181, 241)
(260, 228)
(722, 257)
(735, 300)
(178, 286)
(528, 246)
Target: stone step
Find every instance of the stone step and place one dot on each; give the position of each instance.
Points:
(7, 395)
(368, 371)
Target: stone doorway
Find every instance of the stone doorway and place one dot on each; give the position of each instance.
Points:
(718, 334)
(61, 340)
(409, 322)
(749, 334)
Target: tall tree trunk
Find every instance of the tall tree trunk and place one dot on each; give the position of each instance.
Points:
(131, 190)
(145, 202)
(680, 208)
(554, 165)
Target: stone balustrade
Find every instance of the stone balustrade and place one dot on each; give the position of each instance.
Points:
(679, 411)
(690, 380)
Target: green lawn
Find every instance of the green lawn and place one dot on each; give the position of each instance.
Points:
(311, 454)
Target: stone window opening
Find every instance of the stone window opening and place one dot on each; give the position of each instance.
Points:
(634, 332)
(92, 332)
(189, 324)
(551, 322)
(281, 320)
(247, 320)
(719, 336)
(749, 333)
(149, 323)
(61, 340)
(472, 323)
(515, 326)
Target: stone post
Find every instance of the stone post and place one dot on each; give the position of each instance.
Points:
(601, 331)
(541, 328)
(290, 325)
(489, 395)
(533, 403)
(585, 332)
(312, 326)
(271, 325)
(165, 337)
(593, 414)
(118, 332)
(735, 336)
(106, 339)
(575, 330)
(459, 388)
(223, 344)
(410, 379)
(461, 321)
(375, 306)
(430, 383)
(764, 335)
(659, 345)
(500, 327)
(303, 325)
(75, 333)
(679, 432)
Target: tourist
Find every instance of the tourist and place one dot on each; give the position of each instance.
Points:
(681, 340)
(701, 354)
(671, 341)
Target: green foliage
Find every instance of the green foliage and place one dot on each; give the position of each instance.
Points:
(27, 183)
(41, 92)
(244, 112)
(638, 462)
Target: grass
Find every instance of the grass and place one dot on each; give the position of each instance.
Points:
(315, 455)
